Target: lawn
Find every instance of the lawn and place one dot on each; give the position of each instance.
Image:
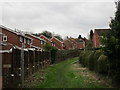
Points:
(66, 74)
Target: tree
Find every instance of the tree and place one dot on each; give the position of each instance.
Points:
(47, 34)
(112, 46)
(79, 37)
(91, 35)
(53, 51)
(58, 37)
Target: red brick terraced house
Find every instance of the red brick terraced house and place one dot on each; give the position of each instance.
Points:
(58, 44)
(98, 34)
(37, 42)
(47, 40)
(80, 43)
(10, 38)
(69, 44)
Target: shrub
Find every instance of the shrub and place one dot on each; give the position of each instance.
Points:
(81, 57)
(96, 55)
(102, 64)
(91, 60)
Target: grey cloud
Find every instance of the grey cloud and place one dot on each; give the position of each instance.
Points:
(64, 18)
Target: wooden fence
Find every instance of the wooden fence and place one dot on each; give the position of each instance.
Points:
(33, 60)
(12, 65)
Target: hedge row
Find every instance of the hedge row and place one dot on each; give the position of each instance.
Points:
(94, 60)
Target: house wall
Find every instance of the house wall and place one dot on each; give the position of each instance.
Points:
(96, 40)
(80, 45)
(35, 42)
(13, 38)
(45, 38)
(58, 44)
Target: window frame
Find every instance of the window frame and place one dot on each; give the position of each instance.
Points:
(4, 38)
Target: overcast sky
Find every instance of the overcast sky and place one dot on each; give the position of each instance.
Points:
(67, 18)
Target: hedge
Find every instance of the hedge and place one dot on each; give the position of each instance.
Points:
(94, 60)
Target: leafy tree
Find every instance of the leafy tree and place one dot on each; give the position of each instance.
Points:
(47, 34)
(89, 44)
(79, 37)
(91, 35)
(53, 51)
(58, 37)
(112, 46)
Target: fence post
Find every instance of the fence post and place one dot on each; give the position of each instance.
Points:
(22, 62)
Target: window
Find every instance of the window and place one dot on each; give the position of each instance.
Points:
(24, 40)
(21, 39)
(31, 41)
(4, 38)
(28, 41)
(42, 42)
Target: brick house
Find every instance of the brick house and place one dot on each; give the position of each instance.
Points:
(80, 43)
(37, 42)
(98, 34)
(10, 38)
(58, 44)
(74, 43)
(69, 44)
(47, 40)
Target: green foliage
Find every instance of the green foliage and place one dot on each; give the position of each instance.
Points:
(47, 34)
(89, 45)
(79, 37)
(53, 51)
(91, 60)
(97, 54)
(112, 46)
(91, 35)
(94, 60)
(102, 64)
(58, 37)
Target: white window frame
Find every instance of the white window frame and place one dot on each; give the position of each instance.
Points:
(41, 42)
(24, 40)
(4, 38)
(21, 39)
(28, 41)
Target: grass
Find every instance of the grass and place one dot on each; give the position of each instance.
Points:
(67, 74)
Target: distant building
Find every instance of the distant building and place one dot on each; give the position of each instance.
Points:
(80, 43)
(98, 34)
(74, 43)
(68, 44)
(58, 44)
(47, 40)
(9, 38)
(37, 42)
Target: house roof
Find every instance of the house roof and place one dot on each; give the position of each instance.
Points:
(100, 32)
(35, 37)
(56, 39)
(17, 33)
(45, 38)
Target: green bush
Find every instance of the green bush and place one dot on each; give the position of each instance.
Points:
(102, 64)
(91, 60)
(81, 57)
(97, 54)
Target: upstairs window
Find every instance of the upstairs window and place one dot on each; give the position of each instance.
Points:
(42, 42)
(28, 41)
(24, 40)
(4, 38)
(21, 39)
